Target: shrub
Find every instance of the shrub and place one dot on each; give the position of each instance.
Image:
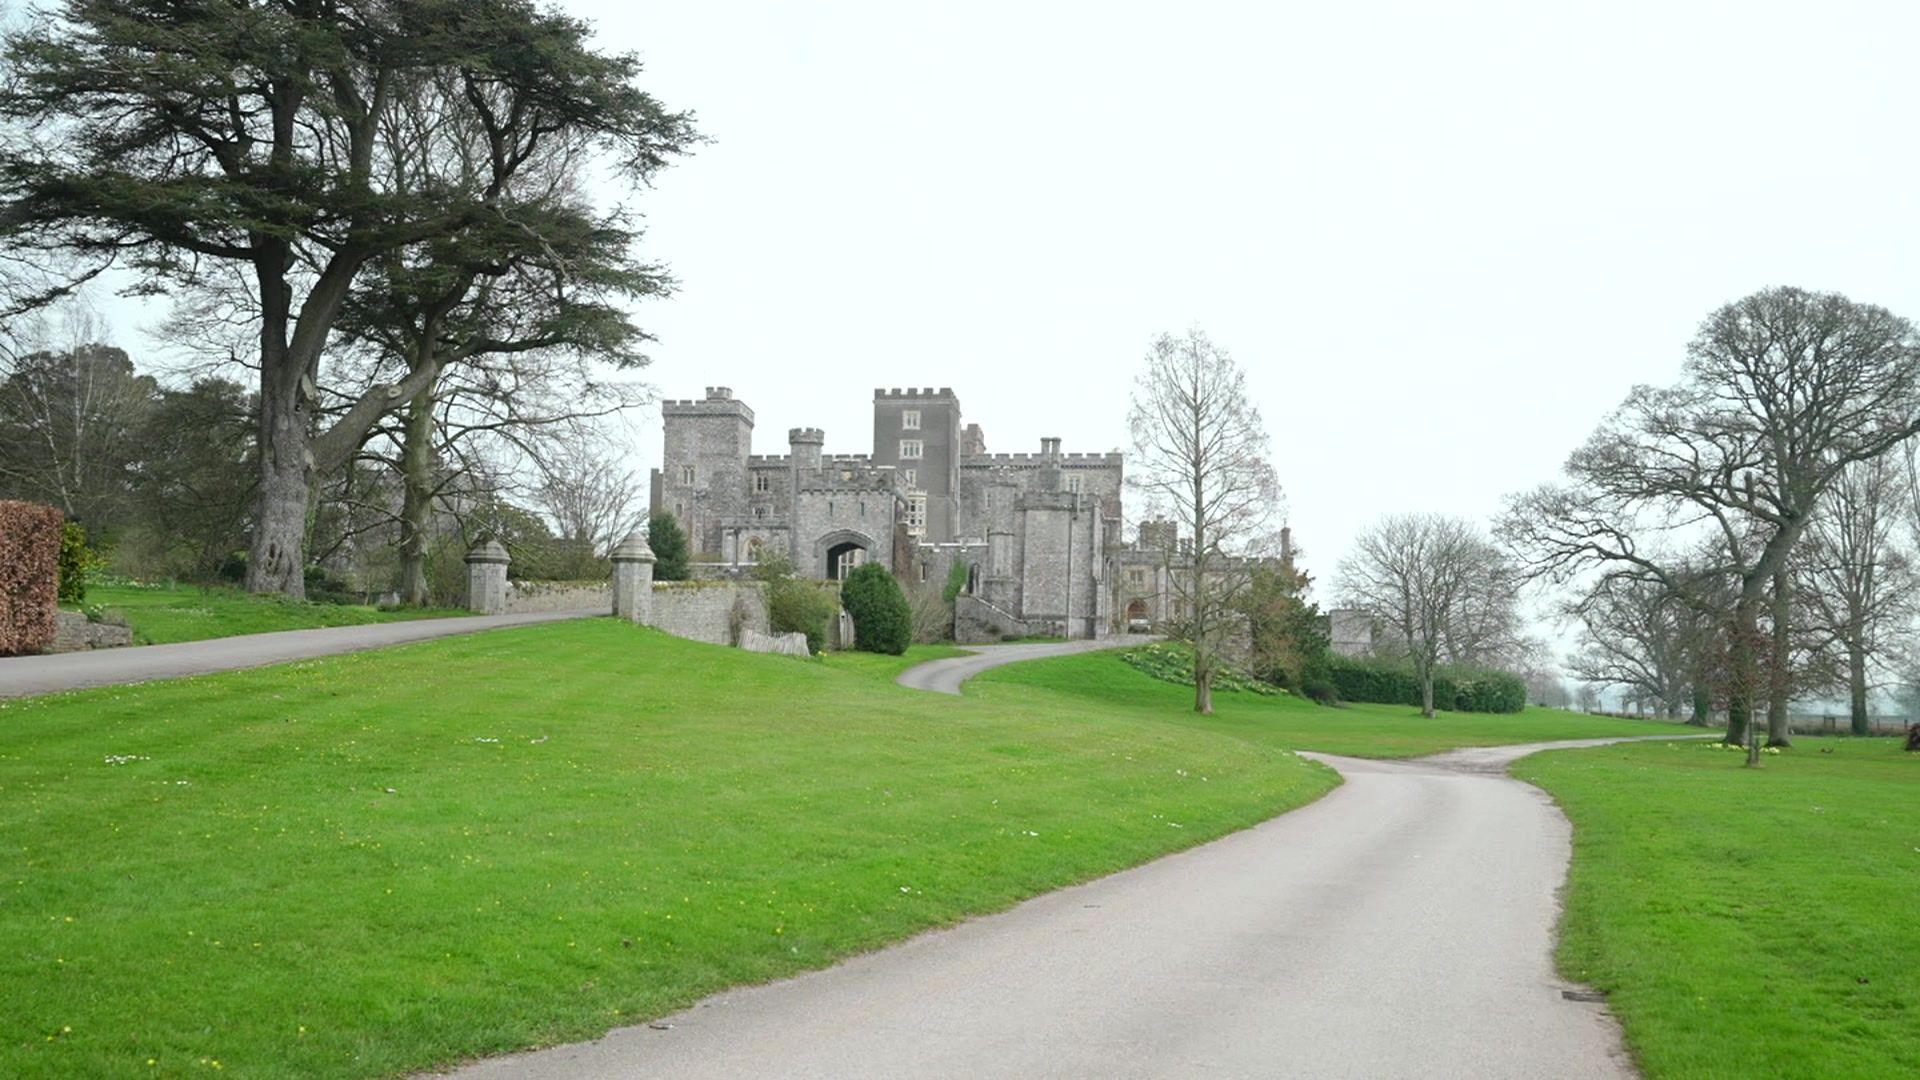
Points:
(79, 563)
(1387, 682)
(1173, 662)
(796, 606)
(669, 544)
(882, 621)
(30, 538)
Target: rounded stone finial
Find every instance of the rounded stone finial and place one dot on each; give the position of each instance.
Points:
(634, 548)
(488, 551)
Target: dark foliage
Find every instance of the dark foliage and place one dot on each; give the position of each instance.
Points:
(669, 544)
(882, 620)
(1454, 689)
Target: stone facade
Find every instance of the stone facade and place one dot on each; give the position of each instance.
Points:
(712, 611)
(1035, 531)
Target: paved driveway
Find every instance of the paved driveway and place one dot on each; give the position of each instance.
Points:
(1399, 927)
(22, 675)
(945, 676)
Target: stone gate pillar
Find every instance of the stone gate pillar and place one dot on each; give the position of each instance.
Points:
(487, 578)
(633, 579)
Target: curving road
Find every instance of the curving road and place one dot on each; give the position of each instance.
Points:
(945, 676)
(1399, 927)
(22, 675)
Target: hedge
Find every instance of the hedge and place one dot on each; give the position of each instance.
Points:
(29, 576)
(1388, 682)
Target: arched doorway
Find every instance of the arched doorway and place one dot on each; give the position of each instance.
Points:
(1137, 615)
(843, 558)
(839, 552)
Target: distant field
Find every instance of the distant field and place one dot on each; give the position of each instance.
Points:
(1748, 922)
(166, 613)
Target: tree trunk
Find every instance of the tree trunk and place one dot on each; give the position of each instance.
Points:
(1740, 673)
(1426, 694)
(1857, 686)
(416, 507)
(1700, 705)
(274, 558)
(1779, 730)
(1203, 689)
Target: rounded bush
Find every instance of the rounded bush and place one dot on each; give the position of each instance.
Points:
(882, 620)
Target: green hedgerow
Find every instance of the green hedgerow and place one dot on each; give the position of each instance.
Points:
(882, 619)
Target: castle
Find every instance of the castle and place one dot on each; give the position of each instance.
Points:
(1038, 533)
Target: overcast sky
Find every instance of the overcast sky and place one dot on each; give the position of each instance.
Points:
(1443, 238)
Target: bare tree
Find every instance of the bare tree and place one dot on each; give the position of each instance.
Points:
(1636, 635)
(1858, 588)
(1200, 450)
(1442, 587)
(1782, 391)
(591, 500)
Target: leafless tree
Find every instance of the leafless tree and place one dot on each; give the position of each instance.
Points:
(590, 499)
(1858, 587)
(1201, 452)
(1635, 635)
(1445, 591)
(1781, 392)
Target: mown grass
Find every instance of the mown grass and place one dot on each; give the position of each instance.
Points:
(1375, 731)
(1747, 922)
(170, 612)
(380, 862)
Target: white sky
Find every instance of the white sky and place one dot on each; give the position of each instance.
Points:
(1444, 238)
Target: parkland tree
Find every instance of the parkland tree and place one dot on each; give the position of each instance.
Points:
(181, 139)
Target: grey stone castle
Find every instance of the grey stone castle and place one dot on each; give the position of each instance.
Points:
(1038, 532)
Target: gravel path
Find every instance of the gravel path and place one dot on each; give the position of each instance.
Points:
(22, 675)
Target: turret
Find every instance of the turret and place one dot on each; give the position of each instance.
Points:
(804, 444)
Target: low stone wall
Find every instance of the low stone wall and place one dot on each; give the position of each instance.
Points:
(74, 632)
(525, 597)
(711, 611)
(976, 622)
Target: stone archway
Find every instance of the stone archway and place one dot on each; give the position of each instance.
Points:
(1136, 613)
(837, 553)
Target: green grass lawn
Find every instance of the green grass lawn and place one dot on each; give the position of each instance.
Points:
(379, 862)
(172, 612)
(1748, 922)
(1376, 731)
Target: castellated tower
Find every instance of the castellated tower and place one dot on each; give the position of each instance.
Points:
(703, 470)
(917, 431)
(803, 446)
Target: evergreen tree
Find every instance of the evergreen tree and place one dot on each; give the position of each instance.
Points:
(882, 621)
(669, 544)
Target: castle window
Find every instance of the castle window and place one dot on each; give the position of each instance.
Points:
(910, 449)
(910, 420)
(863, 508)
(1137, 577)
(916, 514)
(753, 550)
(686, 475)
(910, 478)
(762, 483)
(923, 572)
(1073, 484)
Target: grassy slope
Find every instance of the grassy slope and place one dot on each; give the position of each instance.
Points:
(1748, 923)
(1354, 730)
(657, 819)
(165, 613)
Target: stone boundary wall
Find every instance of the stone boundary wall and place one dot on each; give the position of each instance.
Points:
(526, 597)
(976, 622)
(710, 611)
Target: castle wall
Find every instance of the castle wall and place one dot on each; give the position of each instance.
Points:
(712, 437)
(826, 516)
(710, 611)
(937, 470)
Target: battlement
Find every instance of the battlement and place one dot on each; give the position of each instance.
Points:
(849, 459)
(915, 393)
(768, 461)
(806, 435)
(1065, 461)
(718, 402)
